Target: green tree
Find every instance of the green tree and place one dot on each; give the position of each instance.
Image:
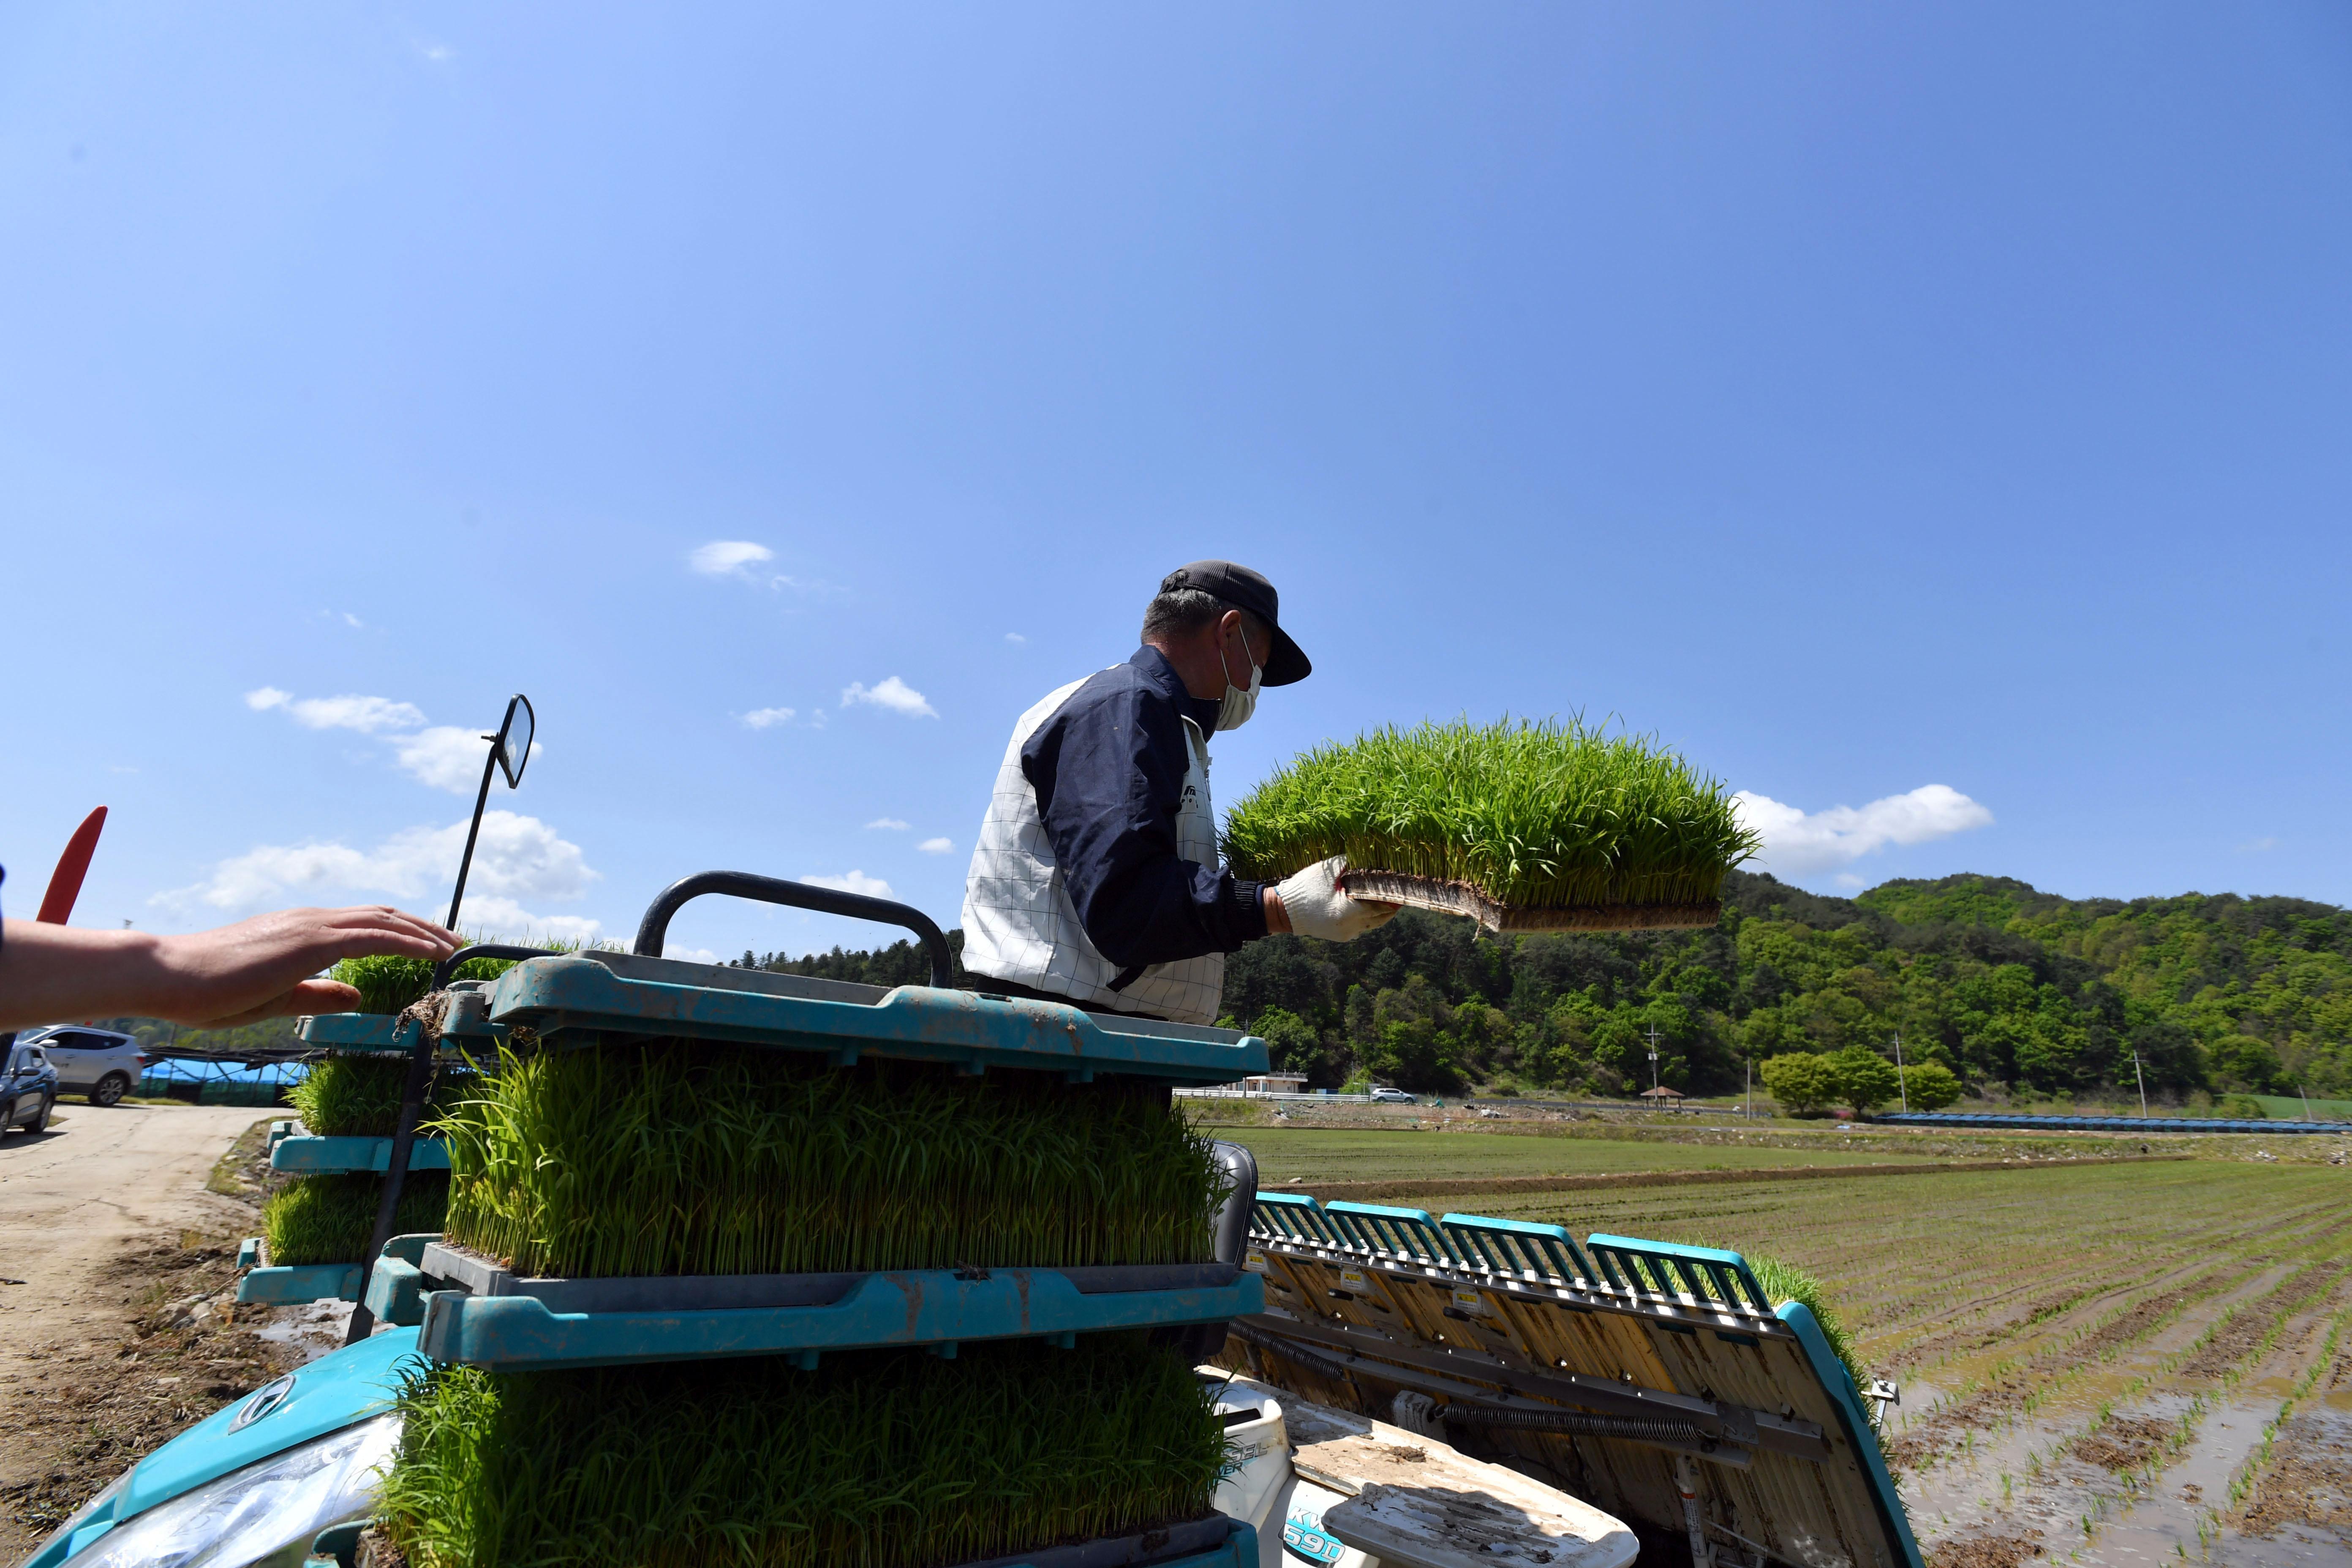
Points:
(1864, 1079)
(1290, 1040)
(1803, 1082)
(1929, 1086)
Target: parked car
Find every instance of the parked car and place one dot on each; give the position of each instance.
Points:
(99, 1063)
(29, 1087)
(1383, 1094)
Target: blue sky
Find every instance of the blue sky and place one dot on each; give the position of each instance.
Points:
(1860, 399)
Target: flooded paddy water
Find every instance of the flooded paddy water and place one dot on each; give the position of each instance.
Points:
(2119, 1364)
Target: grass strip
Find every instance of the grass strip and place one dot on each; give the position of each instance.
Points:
(885, 1459)
(331, 1219)
(1537, 816)
(390, 984)
(356, 1096)
(689, 1158)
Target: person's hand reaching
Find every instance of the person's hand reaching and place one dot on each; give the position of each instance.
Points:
(258, 968)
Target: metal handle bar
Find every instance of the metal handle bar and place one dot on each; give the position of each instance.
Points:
(655, 928)
(448, 966)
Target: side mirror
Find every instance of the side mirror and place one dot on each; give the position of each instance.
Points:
(511, 744)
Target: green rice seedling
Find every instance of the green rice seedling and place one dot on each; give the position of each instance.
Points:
(390, 984)
(688, 1157)
(1785, 1282)
(358, 1095)
(883, 1460)
(1536, 816)
(331, 1219)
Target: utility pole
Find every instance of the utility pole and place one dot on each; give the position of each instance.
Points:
(2306, 1102)
(1751, 1086)
(2141, 1079)
(1901, 1087)
(1653, 1056)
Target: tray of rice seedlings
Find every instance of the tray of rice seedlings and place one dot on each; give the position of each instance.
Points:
(685, 1198)
(583, 997)
(315, 1230)
(388, 985)
(348, 1106)
(1520, 826)
(885, 1459)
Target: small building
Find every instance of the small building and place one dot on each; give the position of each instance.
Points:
(1275, 1083)
(1662, 1093)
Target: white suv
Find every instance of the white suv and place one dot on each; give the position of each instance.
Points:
(99, 1063)
(1383, 1094)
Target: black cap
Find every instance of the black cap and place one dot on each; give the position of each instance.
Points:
(1246, 590)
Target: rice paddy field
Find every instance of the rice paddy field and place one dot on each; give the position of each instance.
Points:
(2114, 1364)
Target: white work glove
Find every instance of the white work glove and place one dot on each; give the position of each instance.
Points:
(1317, 907)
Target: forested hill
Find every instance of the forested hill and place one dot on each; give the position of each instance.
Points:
(2002, 983)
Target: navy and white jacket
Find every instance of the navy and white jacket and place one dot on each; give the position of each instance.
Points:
(1096, 875)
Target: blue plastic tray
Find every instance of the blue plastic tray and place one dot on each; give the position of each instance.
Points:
(305, 1282)
(348, 1031)
(577, 999)
(311, 1156)
(510, 1322)
(1181, 1548)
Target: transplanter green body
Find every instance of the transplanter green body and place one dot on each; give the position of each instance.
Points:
(330, 1219)
(889, 1459)
(1535, 815)
(687, 1158)
(1785, 1282)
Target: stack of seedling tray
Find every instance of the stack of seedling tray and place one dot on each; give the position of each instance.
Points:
(927, 1274)
(1522, 826)
(317, 1229)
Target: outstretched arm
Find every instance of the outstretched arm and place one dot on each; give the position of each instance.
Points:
(258, 968)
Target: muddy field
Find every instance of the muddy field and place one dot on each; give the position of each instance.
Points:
(2118, 1364)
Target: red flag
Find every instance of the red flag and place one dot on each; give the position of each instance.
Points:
(64, 882)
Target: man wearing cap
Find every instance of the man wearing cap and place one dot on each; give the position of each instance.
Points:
(1095, 878)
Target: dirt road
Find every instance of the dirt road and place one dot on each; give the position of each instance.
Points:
(116, 1286)
(71, 1197)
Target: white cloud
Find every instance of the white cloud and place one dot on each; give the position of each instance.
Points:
(892, 823)
(816, 718)
(353, 622)
(937, 846)
(517, 857)
(1848, 879)
(763, 717)
(854, 882)
(689, 955)
(368, 715)
(445, 757)
(721, 557)
(2258, 846)
(1800, 843)
(1015, 637)
(892, 693)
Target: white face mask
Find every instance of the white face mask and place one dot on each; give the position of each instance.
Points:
(1240, 701)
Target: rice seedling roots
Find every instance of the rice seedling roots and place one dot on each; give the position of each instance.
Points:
(887, 1459)
(1463, 899)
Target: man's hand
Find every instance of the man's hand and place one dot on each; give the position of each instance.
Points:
(239, 973)
(1312, 903)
